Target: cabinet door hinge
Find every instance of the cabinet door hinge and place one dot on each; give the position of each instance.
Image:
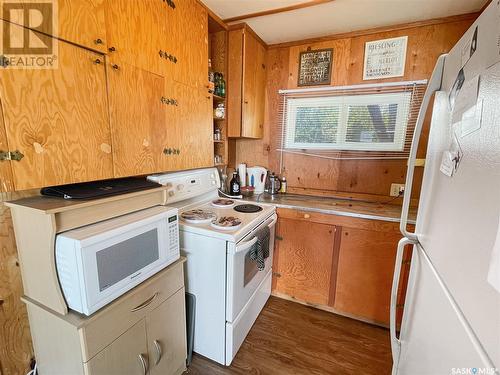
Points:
(278, 238)
(11, 155)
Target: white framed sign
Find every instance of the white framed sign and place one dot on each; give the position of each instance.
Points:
(385, 58)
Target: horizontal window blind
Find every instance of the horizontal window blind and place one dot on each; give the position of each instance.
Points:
(372, 121)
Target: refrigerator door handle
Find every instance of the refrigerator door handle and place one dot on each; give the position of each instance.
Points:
(395, 343)
(433, 85)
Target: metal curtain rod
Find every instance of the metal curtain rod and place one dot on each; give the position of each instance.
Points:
(351, 87)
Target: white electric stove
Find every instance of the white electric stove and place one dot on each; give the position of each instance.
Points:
(229, 288)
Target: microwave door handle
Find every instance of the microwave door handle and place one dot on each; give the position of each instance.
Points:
(433, 86)
(146, 303)
(246, 245)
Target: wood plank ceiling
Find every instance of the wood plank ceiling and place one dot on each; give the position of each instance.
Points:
(280, 21)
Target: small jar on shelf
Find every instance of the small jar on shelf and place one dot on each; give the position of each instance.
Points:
(220, 111)
(217, 135)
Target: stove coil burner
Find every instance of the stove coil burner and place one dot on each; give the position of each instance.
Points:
(248, 208)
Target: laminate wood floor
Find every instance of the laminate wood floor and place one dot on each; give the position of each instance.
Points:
(289, 338)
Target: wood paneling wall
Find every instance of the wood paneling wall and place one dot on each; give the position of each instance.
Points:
(368, 178)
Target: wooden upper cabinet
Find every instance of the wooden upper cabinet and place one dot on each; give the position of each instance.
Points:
(58, 119)
(190, 120)
(186, 39)
(136, 32)
(246, 84)
(254, 88)
(126, 355)
(138, 119)
(303, 260)
(6, 178)
(78, 21)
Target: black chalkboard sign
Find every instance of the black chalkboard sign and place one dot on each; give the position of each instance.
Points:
(315, 67)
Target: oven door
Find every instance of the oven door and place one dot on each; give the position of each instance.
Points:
(243, 275)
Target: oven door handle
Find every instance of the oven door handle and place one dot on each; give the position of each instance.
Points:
(272, 223)
(246, 245)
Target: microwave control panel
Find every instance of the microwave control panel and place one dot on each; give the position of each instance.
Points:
(173, 232)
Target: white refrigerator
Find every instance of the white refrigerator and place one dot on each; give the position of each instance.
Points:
(451, 319)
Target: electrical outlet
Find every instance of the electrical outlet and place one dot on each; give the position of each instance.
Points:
(397, 190)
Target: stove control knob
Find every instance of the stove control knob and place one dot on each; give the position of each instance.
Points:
(169, 184)
(171, 193)
(212, 176)
(180, 187)
(213, 182)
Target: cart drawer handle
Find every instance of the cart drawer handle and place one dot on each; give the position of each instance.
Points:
(145, 303)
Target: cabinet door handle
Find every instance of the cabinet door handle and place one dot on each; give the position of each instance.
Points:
(165, 55)
(145, 303)
(11, 155)
(159, 352)
(144, 363)
(98, 41)
(170, 3)
(112, 49)
(97, 61)
(115, 66)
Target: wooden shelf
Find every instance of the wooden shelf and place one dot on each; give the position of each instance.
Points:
(219, 119)
(219, 164)
(218, 98)
(219, 141)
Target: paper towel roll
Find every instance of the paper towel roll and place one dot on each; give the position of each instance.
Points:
(242, 173)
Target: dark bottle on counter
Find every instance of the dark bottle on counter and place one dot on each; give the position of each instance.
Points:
(234, 185)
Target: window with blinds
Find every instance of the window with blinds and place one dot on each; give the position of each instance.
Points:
(374, 121)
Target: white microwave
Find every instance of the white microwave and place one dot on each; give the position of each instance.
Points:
(98, 263)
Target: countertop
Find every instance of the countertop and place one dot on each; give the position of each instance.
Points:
(336, 206)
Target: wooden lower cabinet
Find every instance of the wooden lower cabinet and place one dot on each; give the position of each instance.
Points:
(365, 272)
(338, 263)
(303, 260)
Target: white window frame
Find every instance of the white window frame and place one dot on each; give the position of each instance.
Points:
(401, 98)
